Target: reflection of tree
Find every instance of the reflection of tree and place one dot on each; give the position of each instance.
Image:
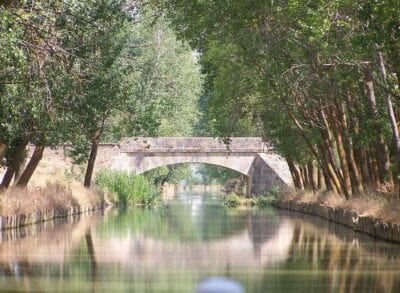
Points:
(92, 256)
(177, 222)
(75, 256)
(321, 262)
(36, 257)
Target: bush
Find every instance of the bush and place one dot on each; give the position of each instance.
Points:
(127, 188)
(232, 200)
(274, 192)
(269, 198)
(263, 201)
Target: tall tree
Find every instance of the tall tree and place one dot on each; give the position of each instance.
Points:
(311, 67)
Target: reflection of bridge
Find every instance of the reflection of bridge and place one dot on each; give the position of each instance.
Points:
(302, 251)
(249, 156)
(148, 254)
(244, 249)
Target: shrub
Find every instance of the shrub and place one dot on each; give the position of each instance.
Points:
(274, 192)
(232, 200)
(127, 188)
(263, 201)
(269, 198)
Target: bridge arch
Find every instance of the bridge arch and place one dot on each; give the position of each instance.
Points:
(241, 165)
(248, 156)
(204, 163)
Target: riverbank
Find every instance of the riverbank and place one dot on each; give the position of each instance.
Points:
(375, 216)
(25, 206)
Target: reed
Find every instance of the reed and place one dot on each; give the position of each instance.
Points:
(127, 188)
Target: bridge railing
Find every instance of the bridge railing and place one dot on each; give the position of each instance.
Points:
(193, 144)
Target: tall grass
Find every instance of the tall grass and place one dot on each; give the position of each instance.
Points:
(127, 188)
(16, 200)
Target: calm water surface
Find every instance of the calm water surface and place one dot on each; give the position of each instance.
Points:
(173, 248)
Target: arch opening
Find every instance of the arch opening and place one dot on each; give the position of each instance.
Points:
(200, 176)
(237, 163)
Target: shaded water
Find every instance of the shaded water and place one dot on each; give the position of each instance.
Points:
(172, 249)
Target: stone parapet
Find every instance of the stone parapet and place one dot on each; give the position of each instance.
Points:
(193, 145)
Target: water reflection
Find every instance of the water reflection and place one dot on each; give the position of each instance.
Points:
(171, 249)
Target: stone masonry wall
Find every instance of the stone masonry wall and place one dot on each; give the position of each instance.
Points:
(263, 177)
(105, 156)
(193, 144)
(265, 172)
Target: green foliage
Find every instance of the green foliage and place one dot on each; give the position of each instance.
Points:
(287, 69)
(269, 198)
(232, 200)
(274, 192)
(162, 82)
(211, 173)
(263, 201)
(127, 188)
(169, 174)
(78, 71)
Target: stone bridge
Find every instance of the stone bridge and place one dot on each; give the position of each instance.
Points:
(249, 156)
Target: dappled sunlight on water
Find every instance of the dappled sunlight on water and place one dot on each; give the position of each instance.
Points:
(174, 248)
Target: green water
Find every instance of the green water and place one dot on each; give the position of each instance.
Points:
(173, 248)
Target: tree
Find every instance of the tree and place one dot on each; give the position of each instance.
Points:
(310, 68)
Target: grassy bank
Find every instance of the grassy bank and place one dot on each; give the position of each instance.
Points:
(127, 188)
(386, 209)
(14, 201)
(370, 214)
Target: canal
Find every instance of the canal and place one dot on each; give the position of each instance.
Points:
(194, 237)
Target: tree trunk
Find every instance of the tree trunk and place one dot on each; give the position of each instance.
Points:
(3, 150)
(348, 144)
(304, 177)
(92, 159)
(15, 160)
(362, 163)
(373, 168)
(332, 177)
(307, 177)
(295, 174)
(342, 157)
(8, 176)
(311, 175)
(381, 148)
(333, 167)
(389, 106)
(360, 156)
(330, 186)
(319, 179)
(31, 166)
(17, 172)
